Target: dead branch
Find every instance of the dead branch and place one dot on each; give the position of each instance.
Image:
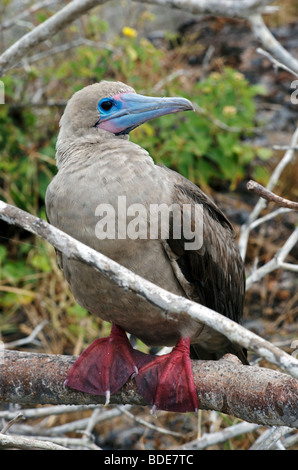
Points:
(246, 228)
(270, 438)
(28, 11)
(270, 196)
(45, 30)
(25, 443)
(170, 304)
(276, 262)
(276, 64)
(255, 394)
(225, 8)
(76, 8)
(266, 194)
(222, 435)
(276, 50)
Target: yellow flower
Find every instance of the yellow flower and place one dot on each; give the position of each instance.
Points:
(239, 76)
(215, 75)
(229, 110)
(129, 32)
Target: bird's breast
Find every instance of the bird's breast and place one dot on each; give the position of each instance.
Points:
(107, 207)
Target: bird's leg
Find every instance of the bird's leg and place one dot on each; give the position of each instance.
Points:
(167, 381)
(106, 365)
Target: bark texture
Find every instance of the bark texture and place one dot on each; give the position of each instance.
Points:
(254, 394)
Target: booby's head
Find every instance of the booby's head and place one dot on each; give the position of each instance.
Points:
(116, 108)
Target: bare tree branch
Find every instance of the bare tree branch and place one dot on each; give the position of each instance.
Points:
(269, 216)
(45, 30)
(255, 394)
(220, 436)
(27, 443)
(28, 339)
(10, 423)
(269, 42)
(276, 262)
(246, 228)
(170, 305)
(269, 438)
(76, 8)
(270, 196)
(31, 9)
(225, 8)
(275, 62)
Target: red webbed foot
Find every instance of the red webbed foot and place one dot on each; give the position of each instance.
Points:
(167, 381)
(106, 365)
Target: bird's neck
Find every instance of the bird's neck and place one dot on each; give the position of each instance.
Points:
(77, 147)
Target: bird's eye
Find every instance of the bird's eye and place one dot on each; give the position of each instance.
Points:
(106, 105)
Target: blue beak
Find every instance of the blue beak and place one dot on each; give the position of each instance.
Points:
(125, 111)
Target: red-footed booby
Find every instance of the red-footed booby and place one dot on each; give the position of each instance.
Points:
(98, 167)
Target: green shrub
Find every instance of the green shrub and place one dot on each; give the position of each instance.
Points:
(204, 146)
(210, 144)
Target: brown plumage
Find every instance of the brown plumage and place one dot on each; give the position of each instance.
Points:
(96, 166)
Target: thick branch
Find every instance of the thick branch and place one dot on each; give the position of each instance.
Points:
(170, 304)
(225, 8)
(45, 30)
(76, 8)
(271, 44)
(255, 394)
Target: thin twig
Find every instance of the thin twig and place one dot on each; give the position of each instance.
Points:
(288, 157)
(29, 339)
(269, 216)
(276, 262)
(76, 8)
(45, 30)
(275, 62)
(68, 443)
(32, 9)
(27, 443)
(219, 437)
(37, 413)
(66, 47)
(264, 35)
(270, 196)
(10, 423)
(270, 437)
(125, 411)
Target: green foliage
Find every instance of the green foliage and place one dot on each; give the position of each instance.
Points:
(23, 173)
(209, 145)
(194, 144)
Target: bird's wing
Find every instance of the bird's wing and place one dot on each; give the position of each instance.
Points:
(213, 274)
